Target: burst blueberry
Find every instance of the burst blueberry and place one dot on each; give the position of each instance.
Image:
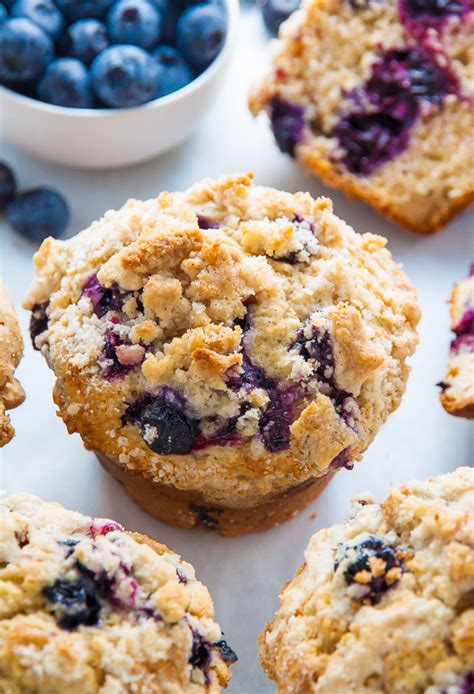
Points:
(166, 429)
(44, 13)
(38, 213)
(374, 566)
(38, 321)
(25, 50)
(287, 121)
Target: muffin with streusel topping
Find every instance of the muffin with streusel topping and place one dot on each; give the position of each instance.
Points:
(225, 349)
(383, 602)
(87, 607)
(376, 98)
(11, 351)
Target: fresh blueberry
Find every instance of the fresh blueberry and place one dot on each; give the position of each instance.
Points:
(3, 12)
(173, 71)
(124, 76)
(66, 82)
(104, 299)
(275, 12)
(168, 24)
(25, 50)
(134, 21)
(44, 13)
(166, 429)
(358, 565)
(38, 213)
(7, 185)
(161, 5)
(200, 34)
(80, 9)
(85, 39)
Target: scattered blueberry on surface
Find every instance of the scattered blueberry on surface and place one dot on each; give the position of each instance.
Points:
(44, 13)
(66, 82)
(7, 185)
(275, 12)
(25, 50)
(38, 213)
(85, 39)
(134, 21)
(124, 76)
(173, 71)
(200, 33)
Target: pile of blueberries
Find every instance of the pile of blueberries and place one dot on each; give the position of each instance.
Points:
(35, 213)
(106, 53)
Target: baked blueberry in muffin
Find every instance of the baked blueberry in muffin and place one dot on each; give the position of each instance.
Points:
(457, 387)
(224, 350)
(375, 98)
(89, 607)
(384, 601)
(11, 351)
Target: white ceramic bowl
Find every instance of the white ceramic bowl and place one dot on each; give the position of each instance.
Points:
(106, 138)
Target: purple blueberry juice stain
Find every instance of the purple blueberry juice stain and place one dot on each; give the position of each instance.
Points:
(343, 459)
(357, 559)
(105, 528)
(375, 127)
(38, 321)
(112, 368)
(418, 16)
(103, 299)
(467, 684)
(181, 577)
(288, 123)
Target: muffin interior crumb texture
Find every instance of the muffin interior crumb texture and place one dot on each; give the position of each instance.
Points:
(376, 98)
(457, 387)
(87, 607)
(11, 350)
(231, 339)
(383, 602)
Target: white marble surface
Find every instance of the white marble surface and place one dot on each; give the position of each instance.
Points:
(245, 574)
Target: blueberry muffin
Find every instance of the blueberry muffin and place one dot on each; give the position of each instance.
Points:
(457, 388)
(384, 601)
(11, 351)
(375, 98)
(225, 349)
(88, 607)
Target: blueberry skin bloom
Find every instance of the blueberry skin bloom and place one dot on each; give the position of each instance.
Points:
(44, 13)
(38, 213)
(173, 71)
(134, 21)
(85, 39)
(7, 185)
(200, 34)
(124, 76)
(3, 13)
(66, 82)
(25, 50)
(78, 9)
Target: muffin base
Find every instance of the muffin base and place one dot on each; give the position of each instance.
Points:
(188, 509)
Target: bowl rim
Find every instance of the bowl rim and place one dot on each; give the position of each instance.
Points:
(233, 9)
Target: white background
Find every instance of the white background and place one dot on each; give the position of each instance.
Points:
(245, 574)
